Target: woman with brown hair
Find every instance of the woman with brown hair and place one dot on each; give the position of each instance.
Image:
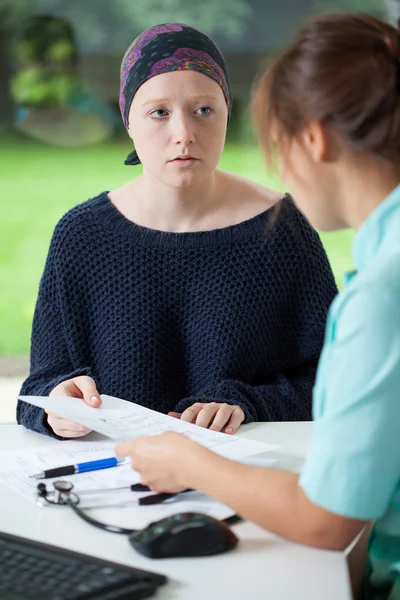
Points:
(329, 110)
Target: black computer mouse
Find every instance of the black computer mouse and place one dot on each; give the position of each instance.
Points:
(184, 534)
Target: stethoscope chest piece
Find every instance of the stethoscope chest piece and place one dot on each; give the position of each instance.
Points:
(61, 495)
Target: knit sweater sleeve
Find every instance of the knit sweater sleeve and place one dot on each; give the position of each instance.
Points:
(50, 358)
(288, 395)
(287, 398)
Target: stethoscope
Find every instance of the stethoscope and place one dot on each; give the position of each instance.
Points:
(63, 495)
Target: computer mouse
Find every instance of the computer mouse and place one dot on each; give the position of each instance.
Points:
(184, 534)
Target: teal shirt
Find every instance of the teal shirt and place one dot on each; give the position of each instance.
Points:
(353, 466)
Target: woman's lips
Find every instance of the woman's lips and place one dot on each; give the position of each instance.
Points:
(184, 162)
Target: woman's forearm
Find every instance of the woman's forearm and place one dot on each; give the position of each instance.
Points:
(272, 499)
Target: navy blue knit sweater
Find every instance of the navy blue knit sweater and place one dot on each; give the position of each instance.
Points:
(233, 315)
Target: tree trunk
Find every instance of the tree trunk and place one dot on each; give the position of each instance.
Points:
(6, 103)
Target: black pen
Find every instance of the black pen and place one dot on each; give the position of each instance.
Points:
(159, 498)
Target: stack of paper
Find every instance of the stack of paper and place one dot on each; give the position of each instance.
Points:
(119, 420)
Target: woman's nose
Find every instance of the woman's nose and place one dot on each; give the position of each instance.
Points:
(182, 131)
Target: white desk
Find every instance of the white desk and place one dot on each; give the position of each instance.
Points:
(263, 567)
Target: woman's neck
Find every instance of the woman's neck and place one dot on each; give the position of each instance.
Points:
(361, 194)
(167, 208)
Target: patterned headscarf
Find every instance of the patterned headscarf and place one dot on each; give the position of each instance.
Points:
(165, 48)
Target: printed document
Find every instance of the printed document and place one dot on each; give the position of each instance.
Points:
(122, 420)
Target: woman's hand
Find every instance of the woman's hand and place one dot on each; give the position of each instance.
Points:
(79, 387)
(164, 461)
(213, 415)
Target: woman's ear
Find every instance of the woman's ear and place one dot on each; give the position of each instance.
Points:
(315, 141)
(128, 129)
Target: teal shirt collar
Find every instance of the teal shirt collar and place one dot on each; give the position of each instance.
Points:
(381, 228)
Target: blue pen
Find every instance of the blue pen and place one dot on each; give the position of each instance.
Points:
(94, 465)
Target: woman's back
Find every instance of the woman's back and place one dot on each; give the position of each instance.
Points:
(362, 408)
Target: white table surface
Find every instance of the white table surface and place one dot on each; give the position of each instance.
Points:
(263, 567)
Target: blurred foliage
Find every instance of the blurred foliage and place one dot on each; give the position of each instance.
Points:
(46, 54)
(105, 20)
(33, 86)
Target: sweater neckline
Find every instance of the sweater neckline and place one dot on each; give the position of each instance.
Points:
(113, 220)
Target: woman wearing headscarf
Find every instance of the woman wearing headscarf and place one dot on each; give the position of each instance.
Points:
(178, 291)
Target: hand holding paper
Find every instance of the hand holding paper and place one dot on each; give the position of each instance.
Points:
(78, 387)
(122, 420)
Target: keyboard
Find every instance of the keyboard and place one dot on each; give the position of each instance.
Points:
(32, 570)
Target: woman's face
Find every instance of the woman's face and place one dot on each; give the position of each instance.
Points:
(178, 124)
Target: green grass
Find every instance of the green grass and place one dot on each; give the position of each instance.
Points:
(39, 183)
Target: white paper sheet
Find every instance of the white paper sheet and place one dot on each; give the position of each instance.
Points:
(17, 466)
(122, 420)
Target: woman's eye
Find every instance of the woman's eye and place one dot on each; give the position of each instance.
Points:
(159, 113)
(204, 110)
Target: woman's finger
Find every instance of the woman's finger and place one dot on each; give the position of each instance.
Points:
(89, 391)
(222, 417)
(237, 418)
(176, 415)
(79, 387)
(190, 414)
(206, 415)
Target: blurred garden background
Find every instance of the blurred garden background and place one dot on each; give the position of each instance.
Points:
(61, 140)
